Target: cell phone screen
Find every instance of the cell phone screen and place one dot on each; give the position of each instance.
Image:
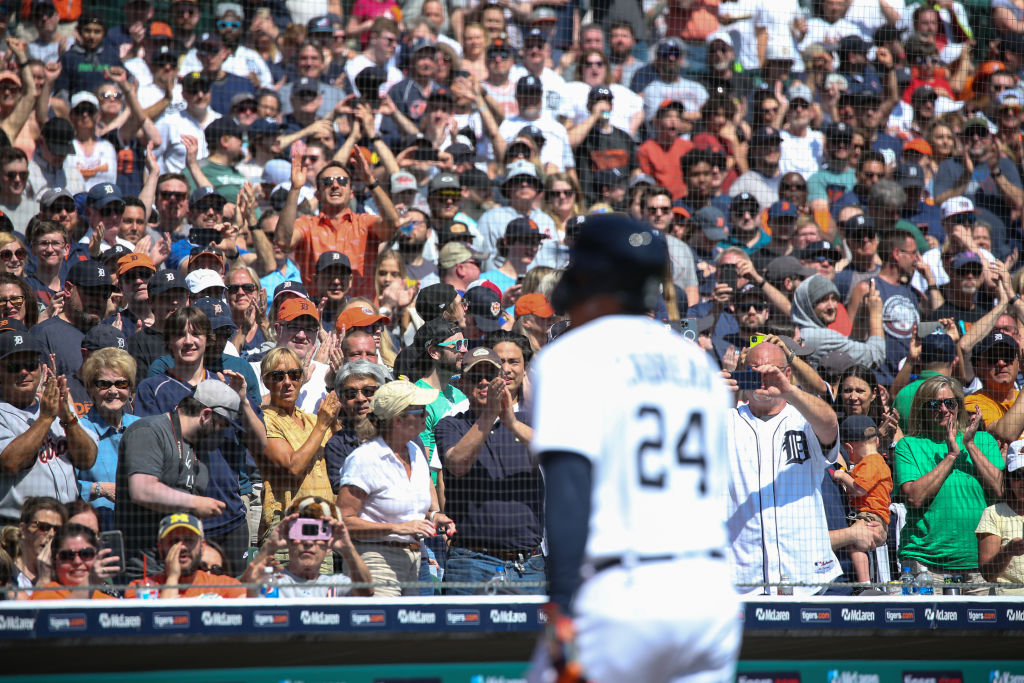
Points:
(727, 274)
(748, 380)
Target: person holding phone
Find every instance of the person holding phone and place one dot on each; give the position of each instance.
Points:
(78, 563)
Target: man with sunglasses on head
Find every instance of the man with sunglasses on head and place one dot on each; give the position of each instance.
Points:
(172, 154)
(337, 228)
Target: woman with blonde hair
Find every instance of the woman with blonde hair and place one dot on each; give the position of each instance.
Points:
(394, 295)
(293, 464)
(12, 254)
(387, 499)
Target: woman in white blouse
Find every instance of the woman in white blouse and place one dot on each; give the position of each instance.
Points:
(387, 499)
(94, 156)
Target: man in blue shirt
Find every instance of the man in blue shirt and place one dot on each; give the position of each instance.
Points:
(82, 66)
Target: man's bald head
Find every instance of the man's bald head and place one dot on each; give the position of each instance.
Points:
(766, 354)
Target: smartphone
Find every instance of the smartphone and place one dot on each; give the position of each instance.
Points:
(748, 380)
(203, 236)
(688, 328)
(425, 154)
(309, 529)
(462, 73)
(926, 329)
(520, 278)
(115, 541)
(756, 339)
(727, 274)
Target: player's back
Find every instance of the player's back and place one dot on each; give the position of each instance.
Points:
(648, 409)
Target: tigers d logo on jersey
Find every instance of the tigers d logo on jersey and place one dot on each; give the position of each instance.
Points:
(794, 445)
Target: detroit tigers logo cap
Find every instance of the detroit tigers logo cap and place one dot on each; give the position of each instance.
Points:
(164, 281)
(358, 316)
(102, 337)
(332, 258)
(17, 342)
(296, 308)
(134, 260)
(90, 274)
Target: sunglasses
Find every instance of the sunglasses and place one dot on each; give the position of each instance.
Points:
(169, 196)
(789, 187)
(215, 569)
(15, 301)
(327, 181)
(16, 367)
(17, 175)
(310, 330)
(936, 403)
(249, 107)
(7, 255)
(365, 392)
(457, 344)
(115, 210)
(85, 554)
(561, 193)
(760, 306)
(248, 288)
(65, 206)
(485, 376)
(111, 95)
(276, 376)
(659, 209)
(196, 89)
(46, 526)
(595, 62)
(84, 111)
(500, 55)
(1005, 355)
(449, 195)
(229, 24)
(104, 384)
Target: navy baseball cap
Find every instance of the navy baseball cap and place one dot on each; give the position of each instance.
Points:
(534, 35)
(938, 348)
(290, 287)
(993, 341)
(860, 223)
(964, 258)
(529, 85)
(102, 337)
(18, 343)
(744, 199)
(600, 92)
(164, 281)
(816, 250)
(102, 194)
(217, 311)
(782, 209)
(838, 131)
(305, 85)
(857, 428)
(910, 175)
(110, 257)
(522, 229)
(485, 307)
(329, 259)
(765, 136)
(90, 274)
(201, 193)
(422, 44)
(12, 325)
(433, 299)
(609, 177)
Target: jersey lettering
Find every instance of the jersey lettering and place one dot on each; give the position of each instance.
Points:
(794, 445)
(690, 449)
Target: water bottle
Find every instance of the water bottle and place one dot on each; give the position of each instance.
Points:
(924, 584)
(269, 584)
(907, 579)
(785, 590)
(497, 583)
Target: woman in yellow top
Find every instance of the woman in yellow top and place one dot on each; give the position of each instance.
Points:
(293, 464)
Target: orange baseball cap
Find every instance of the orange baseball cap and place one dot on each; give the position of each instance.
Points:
(919, 145)
(358, 316)
(134, 260)
(296, 308)
(534, 304)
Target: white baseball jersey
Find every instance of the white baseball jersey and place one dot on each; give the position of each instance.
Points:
(649, 411)
(777, 523)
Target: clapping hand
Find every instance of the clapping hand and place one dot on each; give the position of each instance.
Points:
(972, 426)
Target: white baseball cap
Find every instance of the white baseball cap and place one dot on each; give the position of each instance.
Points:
(720, 35)
(84, 96)
(955, 205)
(201, 278)
(1015, 456)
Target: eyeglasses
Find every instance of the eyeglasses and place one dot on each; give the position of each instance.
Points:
(113, 210)
(112, 95)
(17, 175)
(365, 392)
(51, 245)
(659, 209)
(595, 63)
(561, 193)
(85, 554)
(7, 255)
(169, 196)
(45, 526)
(16, 367)
(15, 301)
(277, 376)
(459, 345)
(104, 384)
(329, 180)
(790, 187)
(229, 24)
(769, 111)
(936, 403)
(248, 288)
(310, 330)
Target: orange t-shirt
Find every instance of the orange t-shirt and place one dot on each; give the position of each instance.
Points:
(873, 475)
(842, 324)
(232, 586)
(58, 591)
(349, 233)
(663, 164)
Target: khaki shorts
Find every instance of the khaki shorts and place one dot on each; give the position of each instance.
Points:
(872, 517)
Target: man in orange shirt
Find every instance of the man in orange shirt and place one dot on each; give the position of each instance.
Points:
(996, 363)
(337, 228)
(659, 156)
(180, 545)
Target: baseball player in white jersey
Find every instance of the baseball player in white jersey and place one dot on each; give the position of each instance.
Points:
(780, 442)
(630, 425)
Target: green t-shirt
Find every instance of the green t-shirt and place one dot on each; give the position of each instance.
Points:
(448, 397)
(905, 398)
(942, 534)
(226, 179)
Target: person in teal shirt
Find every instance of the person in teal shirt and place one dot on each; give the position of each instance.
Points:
(836, 176)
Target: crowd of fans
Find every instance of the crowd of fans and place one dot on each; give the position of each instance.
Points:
(272, 274)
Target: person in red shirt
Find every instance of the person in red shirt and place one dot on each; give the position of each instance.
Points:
(659, 157)
(337, 228)
(180, 544)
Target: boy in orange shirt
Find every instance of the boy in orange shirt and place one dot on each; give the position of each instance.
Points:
(868, 482)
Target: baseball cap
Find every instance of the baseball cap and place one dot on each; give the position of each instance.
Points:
(799, 91)
(403, 181)
(919, 145)
(454, 253)
(50, 195)
(835, 363)
(180, 520)
(722, 36)
(857, 428)
(779, 51)
(817, 249)
(12, 325)
(394, 398)
(164, 281)
(422, 44)
(924, 92)
(217, 312)
(444, 181)
(369, 80)
(853, 43)
(965, 258)
(991, 342)
(976, 123)
(358, 316)
(238, 99)
(461, 153)
(329, 259)
(103, 336)
(193, 81)
(956, 205)
(225, 126)
(1014, 457)
(600, 92)
(204, 254)
(781, 267)
(765, 136)
(134, 260)
(305, 84)
(909, 175)
(642, 178)
(454, 231)
(479, 355)
(58, 134)
(321, 24)
(522, 229)
(86, 97)
(668, 47)
(111, 256)
(219, 397)
(290, 287)
(89, 274)
(485, 307)
(529, 85)
(433, 299)
(857, 224)
(17, 343)
(434, 332)
(938, 348)
(745, 199)
(276, 171)
(475, 178)
(1011, 98)
(749, 292)
(266, 127)
(498, 45)
(534, 304)
(534, 35)
(521, 168)
(782, 209)
(712, 223)
(201, 193)
(543, 15)
(223, 8)
(533, 132)
(296, 308)
(202, 278)
(838, 131)
(609, 177)
(102, 194)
